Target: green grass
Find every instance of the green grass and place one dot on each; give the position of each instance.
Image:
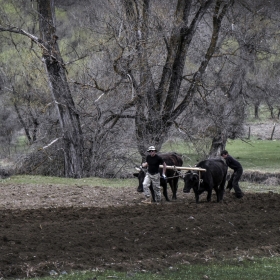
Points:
(258, 188)
(254, 155)
(261, 155)
(264, 115)
(44, 180)
(257, 269)
(114, 183)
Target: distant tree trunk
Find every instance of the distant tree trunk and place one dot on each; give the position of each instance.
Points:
(271, 109)
(218, 145)
(62, 98)
(26, 130)
(256, 107)
(26, 120)
(234, 107)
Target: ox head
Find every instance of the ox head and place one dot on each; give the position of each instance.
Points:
(140, 175)
(191, 180)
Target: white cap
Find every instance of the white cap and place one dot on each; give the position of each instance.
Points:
(151, 148)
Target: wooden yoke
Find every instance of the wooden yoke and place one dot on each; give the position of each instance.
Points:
(188, 168)
(183, 168)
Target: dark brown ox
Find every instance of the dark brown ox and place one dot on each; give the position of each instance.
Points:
(213, 178)
(171, 159)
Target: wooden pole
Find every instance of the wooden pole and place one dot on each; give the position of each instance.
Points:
(271, 137)
(249, 133)
(183, 168)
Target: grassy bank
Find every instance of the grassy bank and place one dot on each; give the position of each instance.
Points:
(262, 155)
(255, 155)
(257, 269)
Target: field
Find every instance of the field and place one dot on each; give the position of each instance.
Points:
(55, 226)
(64, 228)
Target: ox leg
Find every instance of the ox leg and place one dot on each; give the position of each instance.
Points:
(218, 193)
(175, 187)
(209, 195)
(197, 197)
(152, 191)
(221, 193)
(221, 189)
(173, 190)
(164, 187)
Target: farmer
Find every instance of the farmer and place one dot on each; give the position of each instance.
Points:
(237, 172)
(153, 176)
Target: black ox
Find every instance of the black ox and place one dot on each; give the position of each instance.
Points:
(213, 178)
(172, 159)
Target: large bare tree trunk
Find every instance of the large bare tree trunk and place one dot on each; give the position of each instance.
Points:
(218, 145)
(156, 107)
(68, 116)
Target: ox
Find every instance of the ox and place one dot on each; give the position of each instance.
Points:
(172, 159)
(213, 178)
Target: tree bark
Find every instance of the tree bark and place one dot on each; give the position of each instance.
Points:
(61, 94)
(218, 145)
(156, 108)
(256, 110)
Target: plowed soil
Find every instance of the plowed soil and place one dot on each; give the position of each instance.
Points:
(60, 228)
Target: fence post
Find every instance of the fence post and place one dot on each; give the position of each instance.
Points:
(272, 131)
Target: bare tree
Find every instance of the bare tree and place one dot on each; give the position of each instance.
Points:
(238, 74)
(168, 65)
(69, 119)
(158, 98)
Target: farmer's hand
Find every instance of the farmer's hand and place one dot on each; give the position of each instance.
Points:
(164, 176)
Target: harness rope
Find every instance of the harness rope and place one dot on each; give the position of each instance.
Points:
(199, 179)
(175, 171)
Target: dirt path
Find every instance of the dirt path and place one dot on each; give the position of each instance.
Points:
(64, 228)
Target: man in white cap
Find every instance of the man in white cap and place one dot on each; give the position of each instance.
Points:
(153, 161)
